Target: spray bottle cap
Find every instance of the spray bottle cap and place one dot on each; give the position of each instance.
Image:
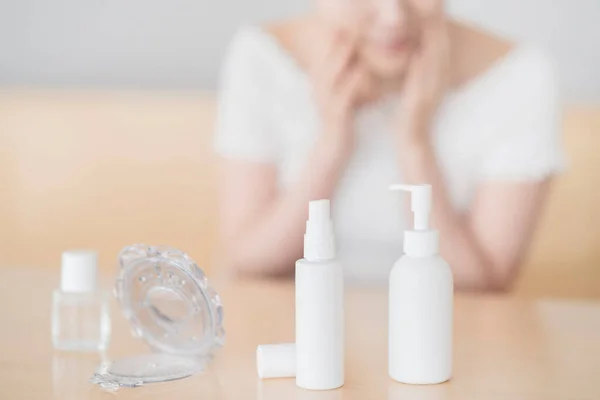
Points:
(319, 241)
(276, 360)
(421, 241)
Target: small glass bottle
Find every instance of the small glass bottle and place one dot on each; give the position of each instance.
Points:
(80, 312)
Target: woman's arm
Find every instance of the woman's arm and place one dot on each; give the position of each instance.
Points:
(485, 246)
(261, 230)
(262, 227)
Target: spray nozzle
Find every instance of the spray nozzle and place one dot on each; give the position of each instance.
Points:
(318, 211)
(420, 203)
(319, 241)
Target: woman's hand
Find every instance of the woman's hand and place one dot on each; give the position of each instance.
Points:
(426, 82)
(341, 85)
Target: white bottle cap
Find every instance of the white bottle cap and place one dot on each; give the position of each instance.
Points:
(276, 360)
(78, 272)
(420, 241)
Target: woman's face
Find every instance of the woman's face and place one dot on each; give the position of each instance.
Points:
(388, 31)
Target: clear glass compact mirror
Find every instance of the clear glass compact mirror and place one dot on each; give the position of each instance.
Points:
(171, 306)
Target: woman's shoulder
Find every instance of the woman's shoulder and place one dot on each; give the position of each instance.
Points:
(515, 95)
(487, 58)
(261, 47)
(250, 43)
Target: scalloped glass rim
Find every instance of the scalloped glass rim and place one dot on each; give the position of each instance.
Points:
(133, 255)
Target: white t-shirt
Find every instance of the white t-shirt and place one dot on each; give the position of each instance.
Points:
(503, 125)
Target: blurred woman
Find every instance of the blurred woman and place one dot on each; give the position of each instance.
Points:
(364, 93)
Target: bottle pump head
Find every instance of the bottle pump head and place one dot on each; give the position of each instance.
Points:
(421, 241)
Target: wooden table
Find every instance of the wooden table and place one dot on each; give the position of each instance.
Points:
(505, 348)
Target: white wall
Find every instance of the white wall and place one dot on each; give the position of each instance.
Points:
(147, 43)
(179, 43)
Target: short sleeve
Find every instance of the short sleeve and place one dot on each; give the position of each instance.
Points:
(528, 145)
(242, 128)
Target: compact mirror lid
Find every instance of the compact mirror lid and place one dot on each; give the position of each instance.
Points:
(169, 304)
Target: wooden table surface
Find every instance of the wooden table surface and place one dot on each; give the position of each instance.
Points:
(505, 348)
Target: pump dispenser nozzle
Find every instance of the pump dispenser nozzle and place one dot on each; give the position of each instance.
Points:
(420, 203)
(421, 240)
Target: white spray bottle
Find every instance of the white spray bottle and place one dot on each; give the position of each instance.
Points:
(420, 302)
(319, 305)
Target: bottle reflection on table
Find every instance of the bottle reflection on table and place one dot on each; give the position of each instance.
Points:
(285, 388)
(71, 373)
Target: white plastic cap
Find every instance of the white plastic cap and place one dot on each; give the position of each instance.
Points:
(420, 241)
(319, 241)
(276, 360)
(78, 272)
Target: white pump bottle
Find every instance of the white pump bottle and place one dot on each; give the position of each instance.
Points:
(420, 302)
